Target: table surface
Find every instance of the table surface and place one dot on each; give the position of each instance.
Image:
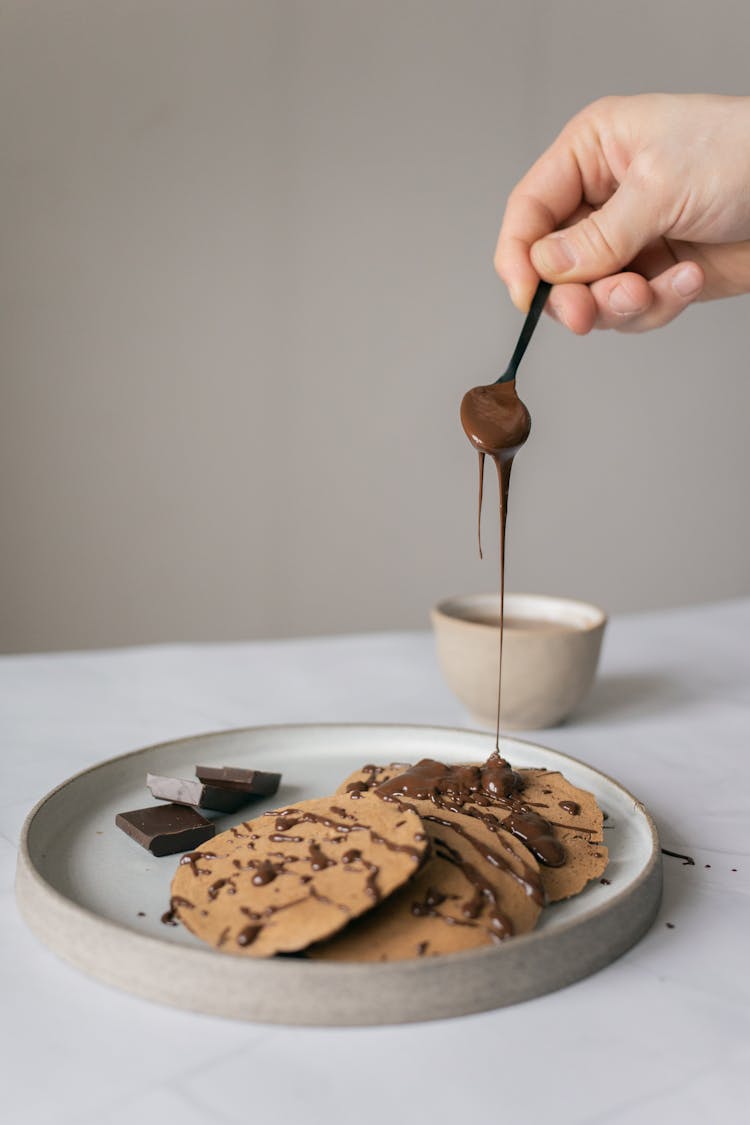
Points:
(663, 1034)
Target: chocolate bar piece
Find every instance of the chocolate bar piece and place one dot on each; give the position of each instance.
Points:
(191, 791)
(255, 782)
(166, 829)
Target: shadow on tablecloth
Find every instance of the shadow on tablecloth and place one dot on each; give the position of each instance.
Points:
(621, 695)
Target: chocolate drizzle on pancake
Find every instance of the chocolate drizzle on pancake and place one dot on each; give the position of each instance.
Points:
(318, 859)
(571, 807)
(193, 858)
(473, 790)
(483, 898)
(290, 818)
(265, 872)
(176, 901)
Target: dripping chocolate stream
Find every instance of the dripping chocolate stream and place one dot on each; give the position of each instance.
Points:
(497, 423)
(479, 506)
(503, 478)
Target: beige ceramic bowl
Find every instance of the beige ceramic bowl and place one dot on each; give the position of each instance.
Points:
(550, 653)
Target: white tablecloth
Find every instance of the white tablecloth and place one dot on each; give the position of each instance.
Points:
(661, 1035)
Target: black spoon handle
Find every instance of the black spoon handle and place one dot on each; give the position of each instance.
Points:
(532, 316)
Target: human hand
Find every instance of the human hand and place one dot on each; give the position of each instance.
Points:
(654, 194)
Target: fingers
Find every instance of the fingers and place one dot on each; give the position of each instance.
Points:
(549, 192)
(574, 307)
(603, 242)
(726, 267)
(627, 302)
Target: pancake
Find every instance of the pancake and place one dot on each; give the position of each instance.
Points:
(579, 825)
(477, 888)
(296, 875)
(575, 820)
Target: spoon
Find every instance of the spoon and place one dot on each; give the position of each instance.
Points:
(535, 311)
(493, 417)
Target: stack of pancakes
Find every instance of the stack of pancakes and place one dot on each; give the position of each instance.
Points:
(403, 861)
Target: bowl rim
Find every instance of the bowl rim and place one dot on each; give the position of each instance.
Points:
(448, 609)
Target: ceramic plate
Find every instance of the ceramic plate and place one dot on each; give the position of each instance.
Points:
(96, 898)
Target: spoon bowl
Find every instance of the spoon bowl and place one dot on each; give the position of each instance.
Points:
(493, 417)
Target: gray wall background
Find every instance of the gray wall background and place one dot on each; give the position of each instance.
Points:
(245, 278)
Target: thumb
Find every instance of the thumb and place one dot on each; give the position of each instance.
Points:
(601, 244)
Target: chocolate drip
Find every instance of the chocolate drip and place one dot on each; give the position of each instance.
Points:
(248, 935)
(571, 807)
(214, 888)
(168, 917)
(578, 829)
(687, 860)
(290, 818)
(479, 505)
(318, 859)
(257, 917)
(355, 789)
(503, 467)
(498, 778)
(430, 780)
(536, 833)
(193, 858)
(484, 893)
(285, 822)
(316, 894)
(371, 883)
(432, 899)
(265, 872)
(528, 878)
(406, 849)
(352, 855)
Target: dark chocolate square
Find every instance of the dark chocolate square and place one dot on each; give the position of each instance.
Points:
(166, 829)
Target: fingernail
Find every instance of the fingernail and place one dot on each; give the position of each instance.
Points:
(554, 254)
(621, 302)
(518, 297)
(686, 282)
